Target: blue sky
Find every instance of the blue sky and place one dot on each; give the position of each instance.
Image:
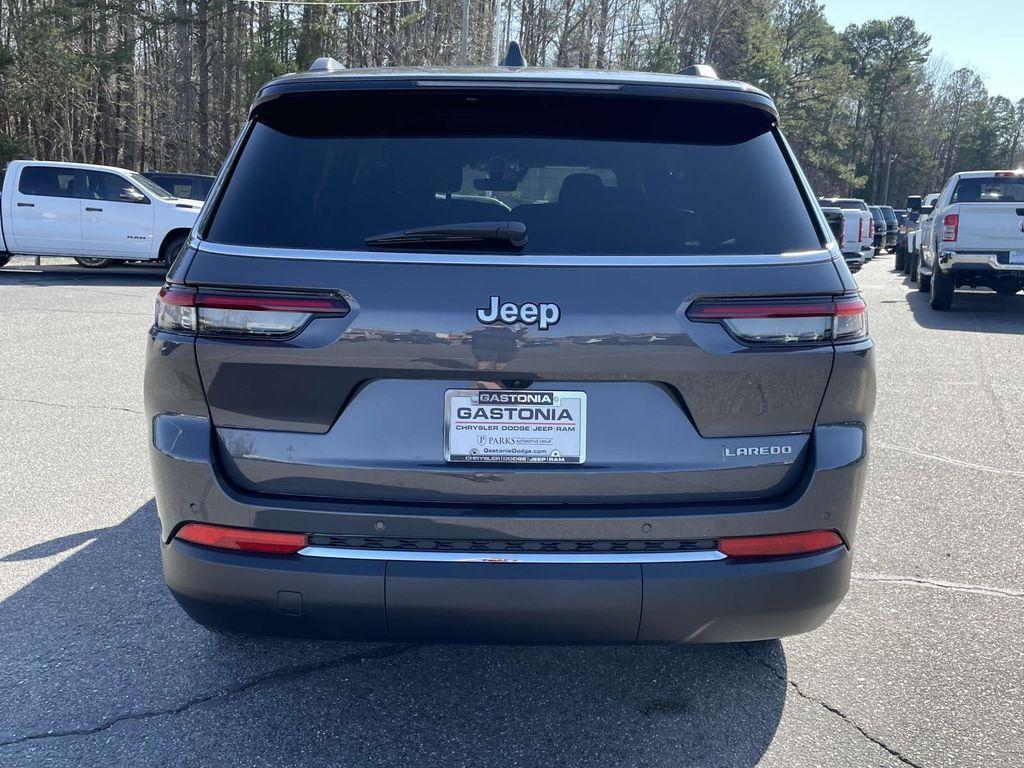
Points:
(986, 35)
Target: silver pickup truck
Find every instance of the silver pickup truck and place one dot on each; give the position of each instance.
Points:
(977, 236)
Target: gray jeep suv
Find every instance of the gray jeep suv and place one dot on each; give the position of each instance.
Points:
(510, 355)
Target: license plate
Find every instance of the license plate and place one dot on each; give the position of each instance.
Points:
(1017, 257)
(515, 426)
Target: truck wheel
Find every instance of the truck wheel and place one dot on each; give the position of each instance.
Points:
(914, 260)
(924, 282)
(1003, 289)
(898, 266)
(941, 290)
(172, 249)
(4, 259)
(91, 263)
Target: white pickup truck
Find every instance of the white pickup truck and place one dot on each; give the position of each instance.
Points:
(919, 231)
(976, 237)
(858, 246)
(93, 213)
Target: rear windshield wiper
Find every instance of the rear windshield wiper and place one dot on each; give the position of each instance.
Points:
(496, 235)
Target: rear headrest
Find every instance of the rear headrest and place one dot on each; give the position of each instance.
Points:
(430, 176)
(579, 188)
(968, 191)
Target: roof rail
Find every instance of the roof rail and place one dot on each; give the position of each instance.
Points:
(514, 56)
(325, 64)
(699, 70)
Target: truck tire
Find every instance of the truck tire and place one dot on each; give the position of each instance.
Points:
(913, 267)
(172, 248)
(4, 258)
(941, 291)
(91, 263)
(924, 282)
(898, 266)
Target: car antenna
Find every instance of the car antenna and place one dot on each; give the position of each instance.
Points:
(514, 56)
(326, 64)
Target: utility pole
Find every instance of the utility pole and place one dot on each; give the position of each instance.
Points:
(464, 42)
(888, 171)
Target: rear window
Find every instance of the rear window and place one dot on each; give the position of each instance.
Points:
(993, 190)
(889, 214)
(585, 175)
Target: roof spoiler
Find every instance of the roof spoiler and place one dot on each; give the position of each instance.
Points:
(699, 70)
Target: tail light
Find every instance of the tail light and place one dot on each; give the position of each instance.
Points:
(266, 315)
(242, 539)
(860, 229)
(903, 229)
(871, 228)
(786, 321)
(950, 227)
(842, 236)
(779, 544)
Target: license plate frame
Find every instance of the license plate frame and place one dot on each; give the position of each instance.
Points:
(541, 440)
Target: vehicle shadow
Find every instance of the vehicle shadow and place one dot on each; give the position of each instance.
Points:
(23, 272)
(975, 311)
(96, 647)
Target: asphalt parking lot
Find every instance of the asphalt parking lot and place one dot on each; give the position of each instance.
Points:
(922, 665)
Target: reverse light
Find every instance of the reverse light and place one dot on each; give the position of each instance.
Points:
(950, 227)
(787, 321)
(185, 310)
(779, 544)
(242, 539)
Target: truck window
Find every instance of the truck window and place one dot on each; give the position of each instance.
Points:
(991, 190)
(47, 181)
(107, 186)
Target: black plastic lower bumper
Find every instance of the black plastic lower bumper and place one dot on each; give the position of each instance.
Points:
(720, 601)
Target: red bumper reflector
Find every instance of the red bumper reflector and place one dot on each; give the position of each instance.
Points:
(779, 544)
(244, 539)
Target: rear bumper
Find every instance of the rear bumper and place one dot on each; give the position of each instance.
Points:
(500, 602)
(983, 262)
(377, 600)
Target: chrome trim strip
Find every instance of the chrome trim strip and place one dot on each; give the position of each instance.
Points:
(548, 260)
(585, 558)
